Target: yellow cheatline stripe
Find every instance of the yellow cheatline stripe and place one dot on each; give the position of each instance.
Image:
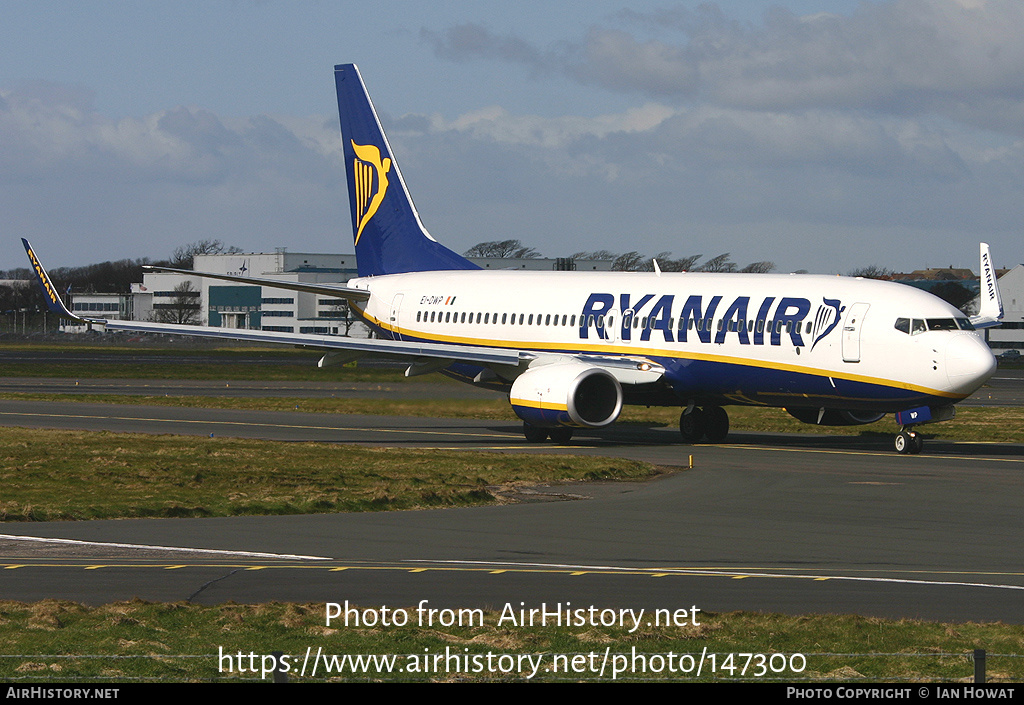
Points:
(629, 350)
(554, 406)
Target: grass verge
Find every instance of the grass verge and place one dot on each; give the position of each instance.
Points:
(140, 641)
(55, 475)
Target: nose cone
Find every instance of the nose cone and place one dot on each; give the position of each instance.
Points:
(969, 363)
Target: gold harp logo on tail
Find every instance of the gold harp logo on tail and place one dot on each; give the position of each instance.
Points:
(371, 177)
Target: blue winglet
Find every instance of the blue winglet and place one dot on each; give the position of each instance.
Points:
(53, 301)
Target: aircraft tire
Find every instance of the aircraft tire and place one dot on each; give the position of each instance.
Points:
(916, 443)
(691, 425)
(534, 434)
(717, 427)
(560, 435)
(902, 442)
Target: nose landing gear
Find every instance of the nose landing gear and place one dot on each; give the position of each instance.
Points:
(908, 441)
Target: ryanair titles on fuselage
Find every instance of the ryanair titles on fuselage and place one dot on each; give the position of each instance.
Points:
(699, 318)
(775, 317)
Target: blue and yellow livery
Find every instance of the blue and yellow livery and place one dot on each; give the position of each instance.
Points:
(570, 348)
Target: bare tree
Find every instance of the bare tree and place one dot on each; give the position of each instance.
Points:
(683, 264)
(629, 262)
(184, 256)
(759, 268)
(872, 272)
(721, 263)
(502, 248)
(600, 255)
(183, 309)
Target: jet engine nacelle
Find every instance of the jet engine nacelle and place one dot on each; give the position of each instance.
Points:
(567, 394)
(835, 417)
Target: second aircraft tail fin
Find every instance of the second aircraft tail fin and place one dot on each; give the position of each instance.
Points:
(990, 306)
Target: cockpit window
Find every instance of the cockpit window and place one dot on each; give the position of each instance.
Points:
(941, 324)
(917, 325)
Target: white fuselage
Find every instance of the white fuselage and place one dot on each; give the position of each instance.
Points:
(811, 340)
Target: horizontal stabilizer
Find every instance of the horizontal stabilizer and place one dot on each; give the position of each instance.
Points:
(339, 290)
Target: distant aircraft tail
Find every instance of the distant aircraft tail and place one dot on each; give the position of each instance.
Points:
(389, 237)
(990, 306)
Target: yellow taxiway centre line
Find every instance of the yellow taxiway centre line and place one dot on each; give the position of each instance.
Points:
(705, 572)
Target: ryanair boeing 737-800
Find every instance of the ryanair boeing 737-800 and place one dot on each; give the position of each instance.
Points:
(570, 348)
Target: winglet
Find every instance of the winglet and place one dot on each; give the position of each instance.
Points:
(50, 294)
(990, 306)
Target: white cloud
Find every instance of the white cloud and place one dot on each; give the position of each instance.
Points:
(899, 57)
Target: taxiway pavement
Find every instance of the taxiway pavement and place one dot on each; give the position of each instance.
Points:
(792, 524)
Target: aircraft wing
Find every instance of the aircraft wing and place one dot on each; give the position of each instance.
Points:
(398, 348)
(627, 370)
(339, 290)
(359, 346)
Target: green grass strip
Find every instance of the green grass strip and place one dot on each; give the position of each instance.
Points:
(55, 475)
(140, 641)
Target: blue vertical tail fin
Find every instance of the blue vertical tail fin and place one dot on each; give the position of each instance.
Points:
(389, 237)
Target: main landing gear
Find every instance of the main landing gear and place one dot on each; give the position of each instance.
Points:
(909, 441)
(709, 422)
(535, 434)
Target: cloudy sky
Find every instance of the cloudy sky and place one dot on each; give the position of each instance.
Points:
(821, 134)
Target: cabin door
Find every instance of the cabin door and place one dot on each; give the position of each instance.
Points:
(851, 332)
(396, 306)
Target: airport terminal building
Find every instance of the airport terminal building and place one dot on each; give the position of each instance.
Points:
(194, 300)
(1009, 335)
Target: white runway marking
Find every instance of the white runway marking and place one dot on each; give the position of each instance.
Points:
(247, 554)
